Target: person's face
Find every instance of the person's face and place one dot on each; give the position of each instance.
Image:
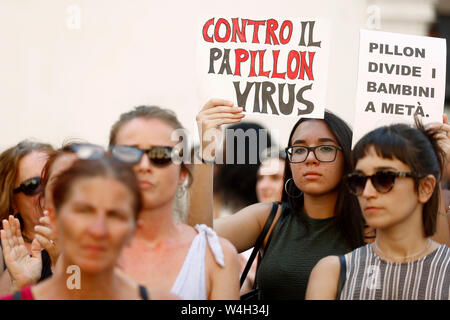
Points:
(158, 184)
(62, 163)
(30, 166)
(312, 176)
(382, 210)
(95, 222)
(269, 184)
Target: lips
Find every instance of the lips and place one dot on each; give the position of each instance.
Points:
(312, 175)
(145, 184)
(94, 248)
(371, 209)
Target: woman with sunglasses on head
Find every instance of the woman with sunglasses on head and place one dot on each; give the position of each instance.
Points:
(192, 263)
(20, 172)
(96, 204)
(396, 174)
(317, 217)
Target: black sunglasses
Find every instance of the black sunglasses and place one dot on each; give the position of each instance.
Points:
(383, 181)
(29, 187)
(159, 156)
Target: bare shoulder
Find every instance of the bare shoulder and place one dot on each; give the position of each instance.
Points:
(328, 264)
(323, 280)
(163, 295)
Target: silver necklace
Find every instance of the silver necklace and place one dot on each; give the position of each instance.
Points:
(402, 259)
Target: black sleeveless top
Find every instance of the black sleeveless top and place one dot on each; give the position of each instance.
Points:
(293, 251)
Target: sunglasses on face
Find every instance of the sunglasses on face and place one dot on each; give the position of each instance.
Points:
(159, 156)
(382, 181)
(29, 187)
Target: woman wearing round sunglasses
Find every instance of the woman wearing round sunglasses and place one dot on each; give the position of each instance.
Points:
(396, 175)
(20, 172)
(318, 216)
(166, 254)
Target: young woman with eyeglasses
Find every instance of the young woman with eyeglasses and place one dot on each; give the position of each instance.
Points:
(96, 204)
(192, 263)
(20, 172)
(318, 216)
(396, 174)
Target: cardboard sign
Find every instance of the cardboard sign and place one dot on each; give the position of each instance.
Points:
(271, 66)
(399, 76)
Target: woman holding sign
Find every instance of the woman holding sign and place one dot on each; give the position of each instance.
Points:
(396, 176)
(317, 216)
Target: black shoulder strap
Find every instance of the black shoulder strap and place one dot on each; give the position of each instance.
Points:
(342, 276)
(17, 295)
(259, 241)
(143, 292)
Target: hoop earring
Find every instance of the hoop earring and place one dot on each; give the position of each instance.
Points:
(287, 192)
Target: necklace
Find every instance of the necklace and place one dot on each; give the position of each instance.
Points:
(402, 259)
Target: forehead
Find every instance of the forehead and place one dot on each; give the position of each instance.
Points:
(62, 163)
(145, 133)
(372, 162)
(31, 165)
(100, 191)
(313, 132)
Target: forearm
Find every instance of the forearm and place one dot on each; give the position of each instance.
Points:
(201, 196)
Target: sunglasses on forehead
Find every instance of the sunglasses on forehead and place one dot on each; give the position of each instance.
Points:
(29, 187)
(382, 181)
(159, 156)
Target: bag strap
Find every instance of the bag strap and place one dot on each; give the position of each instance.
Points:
(342, 276)
(259, 242)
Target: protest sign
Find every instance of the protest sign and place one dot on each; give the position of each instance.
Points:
(399, 76)
(271, 66)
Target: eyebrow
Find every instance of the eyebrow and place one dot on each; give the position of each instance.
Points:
(378, 169)
(319, 140)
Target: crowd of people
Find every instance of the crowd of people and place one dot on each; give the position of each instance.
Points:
(367, 223)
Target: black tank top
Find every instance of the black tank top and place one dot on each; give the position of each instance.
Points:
(293, 252)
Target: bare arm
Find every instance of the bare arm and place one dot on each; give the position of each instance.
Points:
(213, 115)
(225, 280)
(323, 280)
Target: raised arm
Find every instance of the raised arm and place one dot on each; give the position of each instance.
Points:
(213, 115)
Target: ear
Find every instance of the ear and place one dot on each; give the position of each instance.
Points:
(183, 176)
(426, 188)
(50, 212)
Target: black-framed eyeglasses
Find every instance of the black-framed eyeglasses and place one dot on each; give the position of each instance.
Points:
(382, 181)
(323, 153)
(159, 155)
(29, 187)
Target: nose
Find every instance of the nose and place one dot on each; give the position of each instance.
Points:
(98, 226)
(144, 164)
(264, 183)
(369, 190)
(311, 157)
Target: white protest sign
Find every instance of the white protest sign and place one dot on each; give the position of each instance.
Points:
(399, 76)
(271, 66)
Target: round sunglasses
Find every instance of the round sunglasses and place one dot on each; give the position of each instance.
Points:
(29, 187)
(382, 181)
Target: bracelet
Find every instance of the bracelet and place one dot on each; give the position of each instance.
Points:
(205, 161)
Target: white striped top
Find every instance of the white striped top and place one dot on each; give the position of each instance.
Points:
(369, 277)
